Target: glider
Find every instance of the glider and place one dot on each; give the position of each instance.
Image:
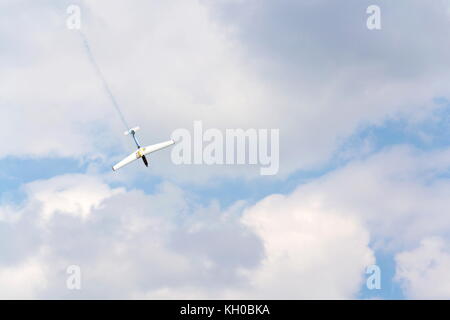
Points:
(141, 151)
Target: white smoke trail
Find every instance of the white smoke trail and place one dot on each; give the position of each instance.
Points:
(102, 78)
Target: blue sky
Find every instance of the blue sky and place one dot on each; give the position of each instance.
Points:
(364, 155)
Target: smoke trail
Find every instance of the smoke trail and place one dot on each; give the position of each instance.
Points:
(102, 78)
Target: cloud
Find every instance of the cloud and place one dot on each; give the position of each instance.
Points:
(399, 194)
(126, 242)
(328, 74)
(131, 244)
(75, 195)
(313, 243)
(319, 238)
(311, 253)
(311, 69)
(178, 60)
(22, 281)
(423, 271)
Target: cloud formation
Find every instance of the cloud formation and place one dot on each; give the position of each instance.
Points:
(131, 244)
(423, 271)
(310, 69)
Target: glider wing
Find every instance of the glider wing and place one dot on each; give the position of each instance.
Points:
(127, 160)
(156, 147)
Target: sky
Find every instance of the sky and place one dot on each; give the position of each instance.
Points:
(364, 156)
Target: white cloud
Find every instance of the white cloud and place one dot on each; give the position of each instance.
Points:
(311, 252)
(179, 62)
(400, 194)
(311, 69)
(317, 237)
(165, 245)
(424, 271)
(22, 281)
(127, 243)
(75, 195)
(313, 243)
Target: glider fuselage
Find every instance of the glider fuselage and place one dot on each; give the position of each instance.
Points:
(140, 152)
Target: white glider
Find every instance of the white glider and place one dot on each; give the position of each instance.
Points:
(141, 151)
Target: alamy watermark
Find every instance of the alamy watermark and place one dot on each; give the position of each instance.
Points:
(229, 147)
(374, 280)
(73, 21)
(374, 20)
(73, 281)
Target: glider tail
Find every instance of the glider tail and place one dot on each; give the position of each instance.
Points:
(131, 131)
